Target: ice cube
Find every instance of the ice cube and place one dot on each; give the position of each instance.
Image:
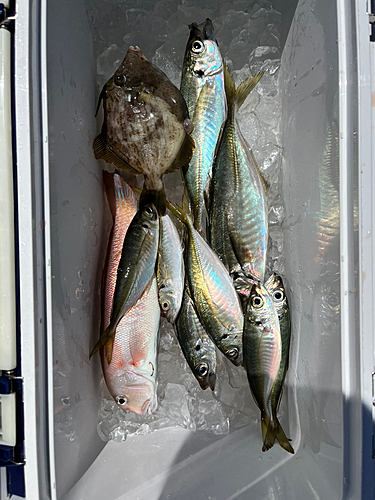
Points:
(175, 406)
(108, 62)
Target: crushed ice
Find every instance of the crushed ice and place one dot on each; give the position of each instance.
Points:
(249, 37)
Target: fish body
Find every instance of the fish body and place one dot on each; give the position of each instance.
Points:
(213, 294)
(196, 345)
(263, 359)
(170, 269)
(146, 125)
(135, 269)
(131, 376)
(202, 86)
(238, 210)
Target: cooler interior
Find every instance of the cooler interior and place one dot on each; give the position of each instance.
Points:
(292, 125)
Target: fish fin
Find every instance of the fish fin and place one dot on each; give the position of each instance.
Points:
(186, 207)
(101, 97)
(107, 335)
(179, 213)
(158, 198)
(271, 431)
(109, 187)
(108, 349)
(183, 158)
(244, 89)
(263, 180)
(230, 88)
(104, 152)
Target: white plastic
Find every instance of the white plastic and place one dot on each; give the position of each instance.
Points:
(8, 419)
(8, 356)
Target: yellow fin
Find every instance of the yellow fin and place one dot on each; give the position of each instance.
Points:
(230, 88)
(244, 89)
(263, 180)
(104, 152)
(107, 335)
(271, 431)
(108, 349)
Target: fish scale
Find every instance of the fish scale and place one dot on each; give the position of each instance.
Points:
(266, 348)
(238, 206)
(202, 86)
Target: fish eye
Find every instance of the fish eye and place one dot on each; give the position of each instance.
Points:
(257, 302)
(197, 46)
(121, 400)
(119, 79)
(165, 305)
(233, 353)
(278, 296)
(149, 211)
(202, 369)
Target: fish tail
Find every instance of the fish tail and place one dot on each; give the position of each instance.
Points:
(271, 431)
(107, 335)
(158, 198)
(236, 97)
(178, 212)
(186, 207)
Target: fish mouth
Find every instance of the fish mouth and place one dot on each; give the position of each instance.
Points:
(205, 30)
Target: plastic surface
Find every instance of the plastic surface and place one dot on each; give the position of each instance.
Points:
(8, 419)
(176, 462)
(8, 346)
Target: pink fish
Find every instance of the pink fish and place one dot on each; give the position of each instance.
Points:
(131, 374)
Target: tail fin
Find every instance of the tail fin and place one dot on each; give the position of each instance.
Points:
(108, 334)
(158, 198)
(236, 97)
(271, 431)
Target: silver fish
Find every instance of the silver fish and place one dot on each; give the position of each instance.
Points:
(212, 291)
(170, 269)
(196, 345)
(265, 363)
(238, 210)
(202, 86)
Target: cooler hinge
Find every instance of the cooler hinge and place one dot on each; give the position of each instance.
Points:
(371, 18)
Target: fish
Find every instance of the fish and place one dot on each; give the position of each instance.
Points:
(265, 357)
(215, 299)
(135, 269)
(238, 212)
(202, 86)
(196, 345)
(131, 375)
(170, 269)
(146, 125)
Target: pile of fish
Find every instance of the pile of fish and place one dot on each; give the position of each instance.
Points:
(212, 288)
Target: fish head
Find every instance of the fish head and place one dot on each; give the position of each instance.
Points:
(233, 351)
(148, 218)
(138, 81)
(276, 289)
(169, 302)
(133, 391)
(260, 304)
(205, 366)
(202, 55)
